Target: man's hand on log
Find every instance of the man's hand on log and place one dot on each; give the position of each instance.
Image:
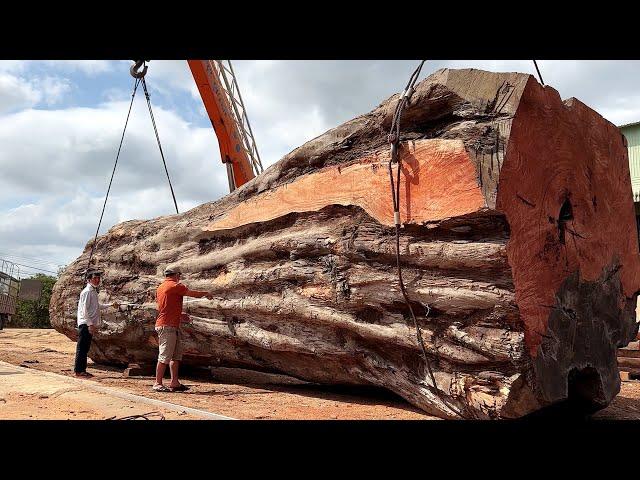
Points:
(185, 318)
(209, 296)
(92, 329)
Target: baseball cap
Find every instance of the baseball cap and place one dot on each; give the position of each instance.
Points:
(171, 271)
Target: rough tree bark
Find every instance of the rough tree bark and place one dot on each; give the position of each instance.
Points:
(518, 233)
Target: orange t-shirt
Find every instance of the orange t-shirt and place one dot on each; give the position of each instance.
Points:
(169, 298)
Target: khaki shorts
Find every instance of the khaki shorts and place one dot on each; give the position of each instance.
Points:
(169, 344)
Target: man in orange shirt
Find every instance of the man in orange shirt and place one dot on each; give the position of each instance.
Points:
(169, 297)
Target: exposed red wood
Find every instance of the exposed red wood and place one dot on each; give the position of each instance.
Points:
(566, 152)
(439, 181)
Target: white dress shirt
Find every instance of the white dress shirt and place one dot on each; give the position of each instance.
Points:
(89, 307)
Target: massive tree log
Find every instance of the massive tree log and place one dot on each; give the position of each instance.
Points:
(518, 234)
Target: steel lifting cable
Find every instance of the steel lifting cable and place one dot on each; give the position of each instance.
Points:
(95, 238)
(155, 129)
(394, 140)
(539, 74)
(139, 78)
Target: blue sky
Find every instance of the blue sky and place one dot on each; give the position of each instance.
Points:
(61, 121)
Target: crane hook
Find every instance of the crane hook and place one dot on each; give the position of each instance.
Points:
(135, 69)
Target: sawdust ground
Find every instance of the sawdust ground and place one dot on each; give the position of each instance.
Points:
(48, 350)
(30, 395)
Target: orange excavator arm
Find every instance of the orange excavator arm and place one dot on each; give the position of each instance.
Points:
(223, 103)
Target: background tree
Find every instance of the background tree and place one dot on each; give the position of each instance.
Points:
(35, 313)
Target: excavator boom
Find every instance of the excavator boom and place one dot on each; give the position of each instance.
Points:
(221, 97)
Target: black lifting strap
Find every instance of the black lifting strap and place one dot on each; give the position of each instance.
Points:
(394, 140)
(139, 78)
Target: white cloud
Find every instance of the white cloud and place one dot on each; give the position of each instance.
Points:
(19, 92)
(88, 67)
(54, 228)
(15, 93)
(168, 76)
(13, 66)
(115, 95)
(63, 159)
(52, 89)
(80, 145)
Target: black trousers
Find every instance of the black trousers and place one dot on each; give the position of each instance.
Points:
(82, 349)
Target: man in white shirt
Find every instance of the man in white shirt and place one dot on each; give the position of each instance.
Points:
(88, 320)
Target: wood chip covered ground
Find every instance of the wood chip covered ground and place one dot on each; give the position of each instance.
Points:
(22, 398)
